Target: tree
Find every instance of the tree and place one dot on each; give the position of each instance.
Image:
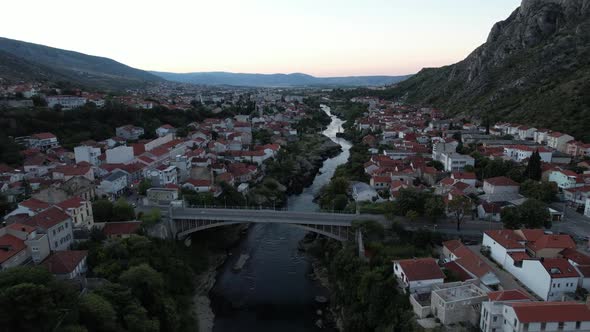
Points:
(123, 211)
(434, 208)
(96, 313)
(102, 210)
(412, 215)
(542, 191)
(145, 283)
(510, 218)
(533, 169)
(144, 185)
(531, 214)
(151, 218)
(458, 207)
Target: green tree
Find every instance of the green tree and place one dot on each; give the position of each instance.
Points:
(434, 208)
(534, 214)
(96, 313)
(145, 283)
(123, 211)
(533, 169)
(458, 207)
(412, 215)
(144, 185)
(511, 218)
(543, 191)
(151, 218)
(102, 210)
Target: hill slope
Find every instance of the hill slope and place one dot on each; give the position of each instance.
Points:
(277, 80)
(533, 68)
(55, 64)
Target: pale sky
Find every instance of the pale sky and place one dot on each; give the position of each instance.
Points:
(317, 37)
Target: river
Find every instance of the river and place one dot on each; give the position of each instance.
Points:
(273, 292)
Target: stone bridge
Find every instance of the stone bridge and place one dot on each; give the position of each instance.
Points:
(184, 221)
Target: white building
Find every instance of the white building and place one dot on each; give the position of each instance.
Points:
(67, 265)
(66, 102)
(492, 310)
(120, 155)
(545, 316)
(57, 225)
(88, 154)
(165, 130)
(113, 185)
(79, 210)
(566, 179)
(163, 175)
(441, 147)
(43, 141)
(456, 162)
(500, 185)
(519, 153)
(558, 141)
(418, 275)
(129, 132)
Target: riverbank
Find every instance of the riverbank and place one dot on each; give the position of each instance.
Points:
(205, 281)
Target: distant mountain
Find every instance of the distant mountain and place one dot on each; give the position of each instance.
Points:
(534, 69)
(277, 80)
(32, 61)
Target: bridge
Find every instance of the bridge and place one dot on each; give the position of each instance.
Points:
(184, 221)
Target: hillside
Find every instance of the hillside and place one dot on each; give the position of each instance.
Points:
(276, 80)
(27, 60)
(534, 68)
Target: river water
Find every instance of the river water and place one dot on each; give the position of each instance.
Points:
(273, 292)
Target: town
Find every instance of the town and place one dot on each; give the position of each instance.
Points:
(518, 196)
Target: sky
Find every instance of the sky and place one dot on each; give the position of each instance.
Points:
(317, 37)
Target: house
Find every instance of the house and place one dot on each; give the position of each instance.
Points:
(119, 155)
(520, 153)
(489, 211)
(501, 243)
(200, 186)
(500, 185)
(66, 102)
(43, 141)
(472, 264)
(79, 210)
(36, 242)
(121, 229)
(163, 175)
(549, 278)
(418, 275)
(87, 154)
(456, 162)
(67, 264)
(161, 196)
(465, 177)
(492, 310)
(165, 130)
(545, 316)
(113, 185)
(558, 141)
(57, 225)
(30, 207)
(380, 182)
(457, 302)
(566, 179)
(67, 172)
(129, 132)
(13, 251)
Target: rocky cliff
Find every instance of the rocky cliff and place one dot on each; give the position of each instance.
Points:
(534, 67)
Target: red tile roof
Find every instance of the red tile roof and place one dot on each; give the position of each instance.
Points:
(458, 271)
(552, 241)
(44, 135)
(121, 228)
(71, 203)
(463, 175)
(64, 262)
(35, 204)
(471, 262)
(47, 218)
(506, 238)
(452, 245)
(508, 295)
(501, 181)
(532, 234)
(528, 312)
(199, 183)
(21, 227)
(559, 268)
(9, 246)
(421, 269)
(575, 256)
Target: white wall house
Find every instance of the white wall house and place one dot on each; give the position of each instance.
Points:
(88, 154)
(519, 153)
(57, 225)
(566, 179)
(545, 316)
(66, 102)
(456, 162)
(113, 185)
(120, 155)
(500, 185)
(500, 243)
(418, 275)
(558, 141)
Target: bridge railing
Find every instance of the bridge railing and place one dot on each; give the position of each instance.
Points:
(265, 208)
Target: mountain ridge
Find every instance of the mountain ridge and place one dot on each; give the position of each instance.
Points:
(276, 80)
(533, 68)
(54, 64)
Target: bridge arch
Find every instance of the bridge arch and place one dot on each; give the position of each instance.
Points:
(185, 227)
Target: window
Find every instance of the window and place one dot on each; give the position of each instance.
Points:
(560, 325)
(578, 325)
(495, 319)
(543, 326)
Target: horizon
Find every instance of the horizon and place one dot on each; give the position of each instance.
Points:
(330, 39)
